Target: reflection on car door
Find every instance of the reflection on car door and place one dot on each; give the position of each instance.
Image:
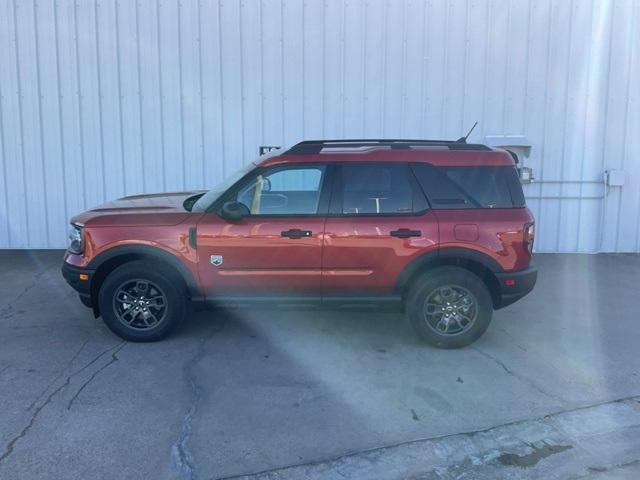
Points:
(378, 222)
(277, 250)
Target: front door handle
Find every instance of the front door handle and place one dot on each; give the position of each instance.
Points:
(405, 233)
(295, 233)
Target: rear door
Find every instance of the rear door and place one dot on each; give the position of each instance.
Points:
(378, 222)
(277, 250)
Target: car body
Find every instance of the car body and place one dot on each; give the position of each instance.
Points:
(329, 223)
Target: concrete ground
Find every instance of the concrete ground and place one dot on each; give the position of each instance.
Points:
(552, 390)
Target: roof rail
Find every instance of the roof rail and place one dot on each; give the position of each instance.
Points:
(309, 147)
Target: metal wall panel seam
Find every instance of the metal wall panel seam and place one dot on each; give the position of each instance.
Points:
(222, 129)
(261, 40)
(302, 64)
(584, 132)
(242, 94)
(485, 79)
(383, 90)
(403, 69)
(632, 100)
(603, 207)
(79, 93)
(324, 68)
(60, 116)
(630, 19)
(3, 158)
(117, 19)
(443, 105)
(423, 67)
(21, 119)
(506, 75)
(464, 68)
(526, 71)
(181, 96)
(100, 105)
(141, 110)
(559, 222)
(161, 92)
(544, 118)
(40, 124)
(203, 148)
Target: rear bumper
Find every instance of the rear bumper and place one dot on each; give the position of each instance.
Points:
(515, 285)
(72, 275)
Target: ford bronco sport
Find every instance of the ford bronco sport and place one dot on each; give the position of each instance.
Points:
(438, 229)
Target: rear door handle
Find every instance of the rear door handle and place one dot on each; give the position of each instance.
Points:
(193, 238)
(295, 233)
(405, 233)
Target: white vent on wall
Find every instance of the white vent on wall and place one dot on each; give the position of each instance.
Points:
(518, 144)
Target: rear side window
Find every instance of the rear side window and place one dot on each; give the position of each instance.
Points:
(377, 189)
(470, 187)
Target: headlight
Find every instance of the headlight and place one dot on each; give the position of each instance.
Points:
(76, 240)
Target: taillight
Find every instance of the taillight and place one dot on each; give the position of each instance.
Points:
(529, 234)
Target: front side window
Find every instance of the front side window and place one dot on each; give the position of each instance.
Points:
(283, 191)
(206, 200)
(367, 189)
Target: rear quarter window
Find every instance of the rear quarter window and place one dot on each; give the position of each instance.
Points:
(470, 187)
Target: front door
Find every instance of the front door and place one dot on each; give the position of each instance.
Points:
(277, 249)
(378, 223)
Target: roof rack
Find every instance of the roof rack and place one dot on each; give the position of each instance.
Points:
(308, 147)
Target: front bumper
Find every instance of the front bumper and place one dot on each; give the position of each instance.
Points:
(515, 285)
(79, 279)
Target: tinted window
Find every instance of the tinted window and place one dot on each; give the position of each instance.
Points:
(470, 187)
(283, 191)
(377, 189)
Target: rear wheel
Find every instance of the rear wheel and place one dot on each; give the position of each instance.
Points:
(141, 302)
(449, 307)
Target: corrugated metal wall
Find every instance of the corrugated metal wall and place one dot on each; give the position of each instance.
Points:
(99, 99)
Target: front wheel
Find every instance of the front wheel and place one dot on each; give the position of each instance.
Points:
(449, 307)
(142, 303)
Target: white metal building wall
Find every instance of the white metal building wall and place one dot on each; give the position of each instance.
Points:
(104, 98)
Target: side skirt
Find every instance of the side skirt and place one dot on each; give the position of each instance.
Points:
(390, 303)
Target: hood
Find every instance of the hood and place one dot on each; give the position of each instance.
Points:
(151, 209)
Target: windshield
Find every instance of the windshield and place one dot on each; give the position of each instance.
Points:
(206, 200)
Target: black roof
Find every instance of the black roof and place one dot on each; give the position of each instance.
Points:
(315, 146)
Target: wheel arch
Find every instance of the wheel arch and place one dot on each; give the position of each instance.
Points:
(476, 262)
(106, 262)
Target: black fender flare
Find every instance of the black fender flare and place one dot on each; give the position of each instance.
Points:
(147, 251)
(433, 257)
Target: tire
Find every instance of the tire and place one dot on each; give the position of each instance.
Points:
(154, 311)
(455, 324)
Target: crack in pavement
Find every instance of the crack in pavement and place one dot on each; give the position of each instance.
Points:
(113, 360)
(605, 469)
(10, 445)
(7, 311)
(181, 457)
(69, 363)
(273, 472)
(514, 374)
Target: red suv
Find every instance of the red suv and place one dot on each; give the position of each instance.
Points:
(438, 229)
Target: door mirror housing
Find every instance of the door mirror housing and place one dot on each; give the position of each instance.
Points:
(234, 211)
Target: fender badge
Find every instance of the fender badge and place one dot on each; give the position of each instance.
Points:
(216, 260)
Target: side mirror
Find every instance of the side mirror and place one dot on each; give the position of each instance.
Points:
(234, 211)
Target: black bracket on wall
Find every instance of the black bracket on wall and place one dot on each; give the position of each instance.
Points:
(262, 149)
